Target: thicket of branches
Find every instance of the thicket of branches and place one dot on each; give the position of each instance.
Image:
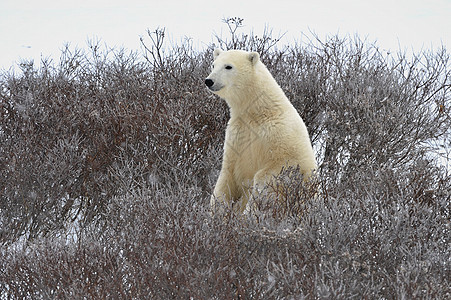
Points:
(108, 159)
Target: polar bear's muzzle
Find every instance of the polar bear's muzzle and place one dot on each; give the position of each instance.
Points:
(209, 82)
(212, 86)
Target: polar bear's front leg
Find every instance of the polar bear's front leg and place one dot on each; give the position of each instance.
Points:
(225, 190)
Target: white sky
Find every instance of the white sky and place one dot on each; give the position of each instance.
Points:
(31, 29)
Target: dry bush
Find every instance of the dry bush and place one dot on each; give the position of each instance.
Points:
(108, 158)
(98, 124)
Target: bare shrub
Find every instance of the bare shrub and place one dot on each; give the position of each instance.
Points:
(286, 196)
(108, 159)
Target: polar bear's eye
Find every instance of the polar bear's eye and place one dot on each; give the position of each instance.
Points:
(228, 67)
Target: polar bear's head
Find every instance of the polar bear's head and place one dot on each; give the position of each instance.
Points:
(232, 72)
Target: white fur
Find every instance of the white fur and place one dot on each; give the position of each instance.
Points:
(264, 133)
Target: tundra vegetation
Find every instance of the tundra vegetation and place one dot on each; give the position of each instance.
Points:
(108, 158)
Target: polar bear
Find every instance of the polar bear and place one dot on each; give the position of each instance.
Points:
(265, 132)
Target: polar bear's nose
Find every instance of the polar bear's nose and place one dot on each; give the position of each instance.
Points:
(209, 82)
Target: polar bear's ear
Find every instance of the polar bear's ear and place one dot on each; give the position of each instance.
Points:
(216, 52)
(254, 57)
